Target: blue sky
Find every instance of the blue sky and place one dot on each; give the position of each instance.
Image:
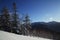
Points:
(38, 10)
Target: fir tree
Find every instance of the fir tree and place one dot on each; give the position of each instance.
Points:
(5, 19)
(15, 19)
(0, 20)
(27, 24)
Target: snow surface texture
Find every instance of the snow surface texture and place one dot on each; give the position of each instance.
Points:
(11, 36)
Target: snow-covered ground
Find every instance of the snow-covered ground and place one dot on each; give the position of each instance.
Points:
(11, 36)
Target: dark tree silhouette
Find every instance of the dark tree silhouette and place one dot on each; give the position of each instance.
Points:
(0, 22)
(15, 20)
(5, 19)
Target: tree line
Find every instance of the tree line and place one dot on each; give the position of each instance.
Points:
(12, 23)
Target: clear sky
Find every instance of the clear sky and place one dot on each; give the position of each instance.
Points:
(38, 10)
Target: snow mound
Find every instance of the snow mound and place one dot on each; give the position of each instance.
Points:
(11, 36)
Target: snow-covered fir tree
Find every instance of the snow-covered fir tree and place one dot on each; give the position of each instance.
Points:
(27, 25)
(5, 19)
(15, 20)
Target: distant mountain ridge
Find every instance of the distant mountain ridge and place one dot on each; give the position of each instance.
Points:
(53, 25)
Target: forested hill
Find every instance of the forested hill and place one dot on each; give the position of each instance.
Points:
(54, 26)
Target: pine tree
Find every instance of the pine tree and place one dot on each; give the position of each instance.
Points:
(15, 19)
(0, 22)
(5, 19)
(27, 24)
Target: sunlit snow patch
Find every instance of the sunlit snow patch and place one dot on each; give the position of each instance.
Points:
(11, 36)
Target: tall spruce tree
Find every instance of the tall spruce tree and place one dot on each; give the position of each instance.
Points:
(0, 21)
(1, 24)
(27, 24)
(15, 19)
(5, 19)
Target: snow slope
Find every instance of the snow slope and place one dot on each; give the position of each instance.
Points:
(11, 36)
